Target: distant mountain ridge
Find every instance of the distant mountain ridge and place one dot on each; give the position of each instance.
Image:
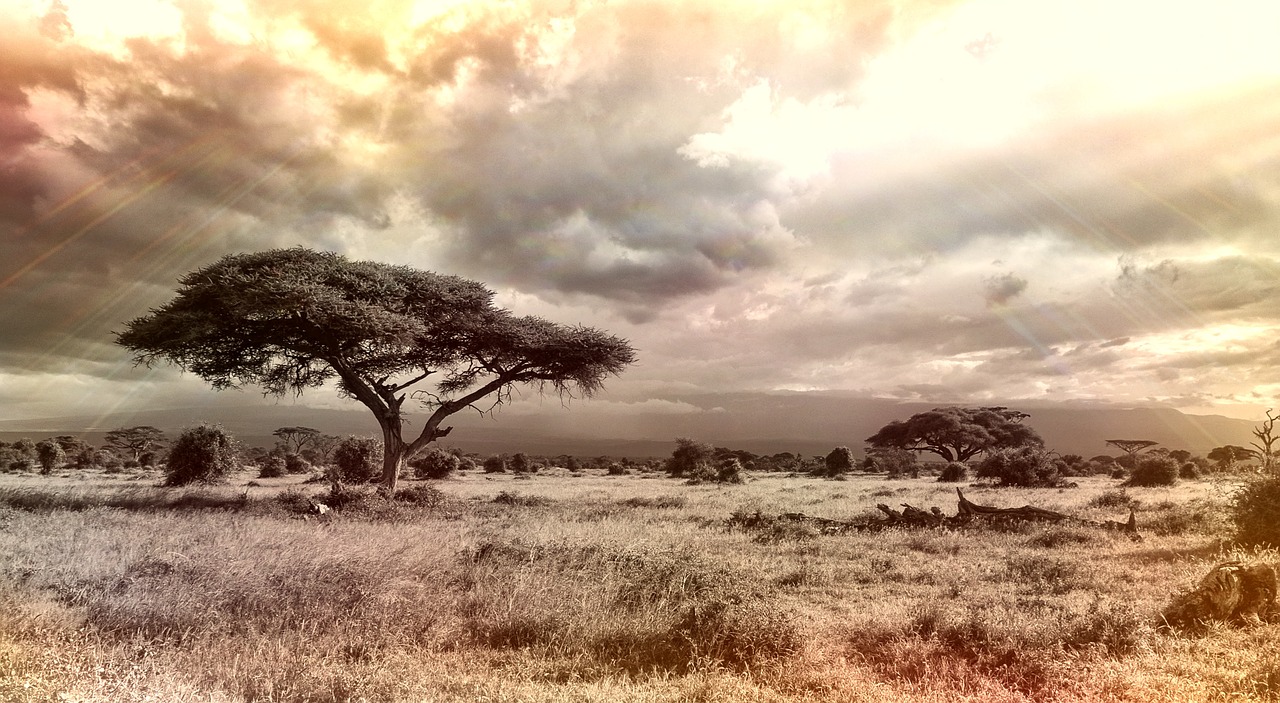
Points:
(806, 423)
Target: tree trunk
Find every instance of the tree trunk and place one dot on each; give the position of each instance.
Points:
(392, 459)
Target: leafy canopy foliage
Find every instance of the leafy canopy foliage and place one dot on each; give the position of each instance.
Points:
(958, 434)
(292, 319)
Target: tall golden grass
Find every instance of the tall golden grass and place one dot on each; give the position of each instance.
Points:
(589, 587)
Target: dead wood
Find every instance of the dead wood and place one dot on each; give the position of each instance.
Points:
(968, 514)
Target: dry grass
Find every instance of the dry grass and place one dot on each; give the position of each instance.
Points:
(590, 587)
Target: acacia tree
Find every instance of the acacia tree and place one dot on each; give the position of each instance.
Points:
(135, 439)
(292, 319)
(1227, 455)
(295, 439)
(957, 434)
(1131, 447)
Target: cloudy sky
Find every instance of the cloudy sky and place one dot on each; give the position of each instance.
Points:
(950, 202)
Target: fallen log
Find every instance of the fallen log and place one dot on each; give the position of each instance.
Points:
(968, 514)
(1031, 513)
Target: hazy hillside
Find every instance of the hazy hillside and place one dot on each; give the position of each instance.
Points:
(794, 422)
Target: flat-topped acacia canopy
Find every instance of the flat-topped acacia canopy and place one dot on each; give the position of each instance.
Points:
(291, 319)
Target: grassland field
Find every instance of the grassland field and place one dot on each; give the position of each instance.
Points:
(587, 587)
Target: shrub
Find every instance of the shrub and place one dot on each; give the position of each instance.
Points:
(690, 458)
(271, 466)
(520, 464)
(50, 454)
(435, 464)
(1255, 510)
(147, 458)
(953, 472)
(617, 470)
(838, 462)
(1153, 470)
(894, 462)
(295, 464)
(109, 462)
(356, 459)
(1189, 471)
(1023, 466)
(202, 454)
(496, 464)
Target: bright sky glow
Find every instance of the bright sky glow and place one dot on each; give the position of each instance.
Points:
(938, 201)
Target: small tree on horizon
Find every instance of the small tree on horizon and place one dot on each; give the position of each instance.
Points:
(135, 440)
(837, 463)
(292, 319)
(1131, 448)
(50, 454)
(295, 439)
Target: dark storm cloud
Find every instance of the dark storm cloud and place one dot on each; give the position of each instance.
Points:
(999, 290)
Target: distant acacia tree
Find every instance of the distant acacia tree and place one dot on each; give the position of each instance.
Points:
(295, 439)
(292, 319)
(1131, 448)
(958, 434)
(1227, 455)
(135, 440)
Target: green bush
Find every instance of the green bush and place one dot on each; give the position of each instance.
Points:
(271, 466)
(496, 464)
(295, 464)
(1153, 470)
(202, 454)
(954, 472)
(108, 461)
(691, 459)
(895, 463)
(435, 464)
(837, 463)
(1023, 466)
(1255, 510)
(50, 454)
(357, 459)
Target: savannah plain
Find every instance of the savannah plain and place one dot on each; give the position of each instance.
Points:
(584, 586)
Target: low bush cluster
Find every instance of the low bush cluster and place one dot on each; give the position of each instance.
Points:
(1153, 469)
(357, 459)
(202, 454)
(1028, 466)
(1255, 511)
